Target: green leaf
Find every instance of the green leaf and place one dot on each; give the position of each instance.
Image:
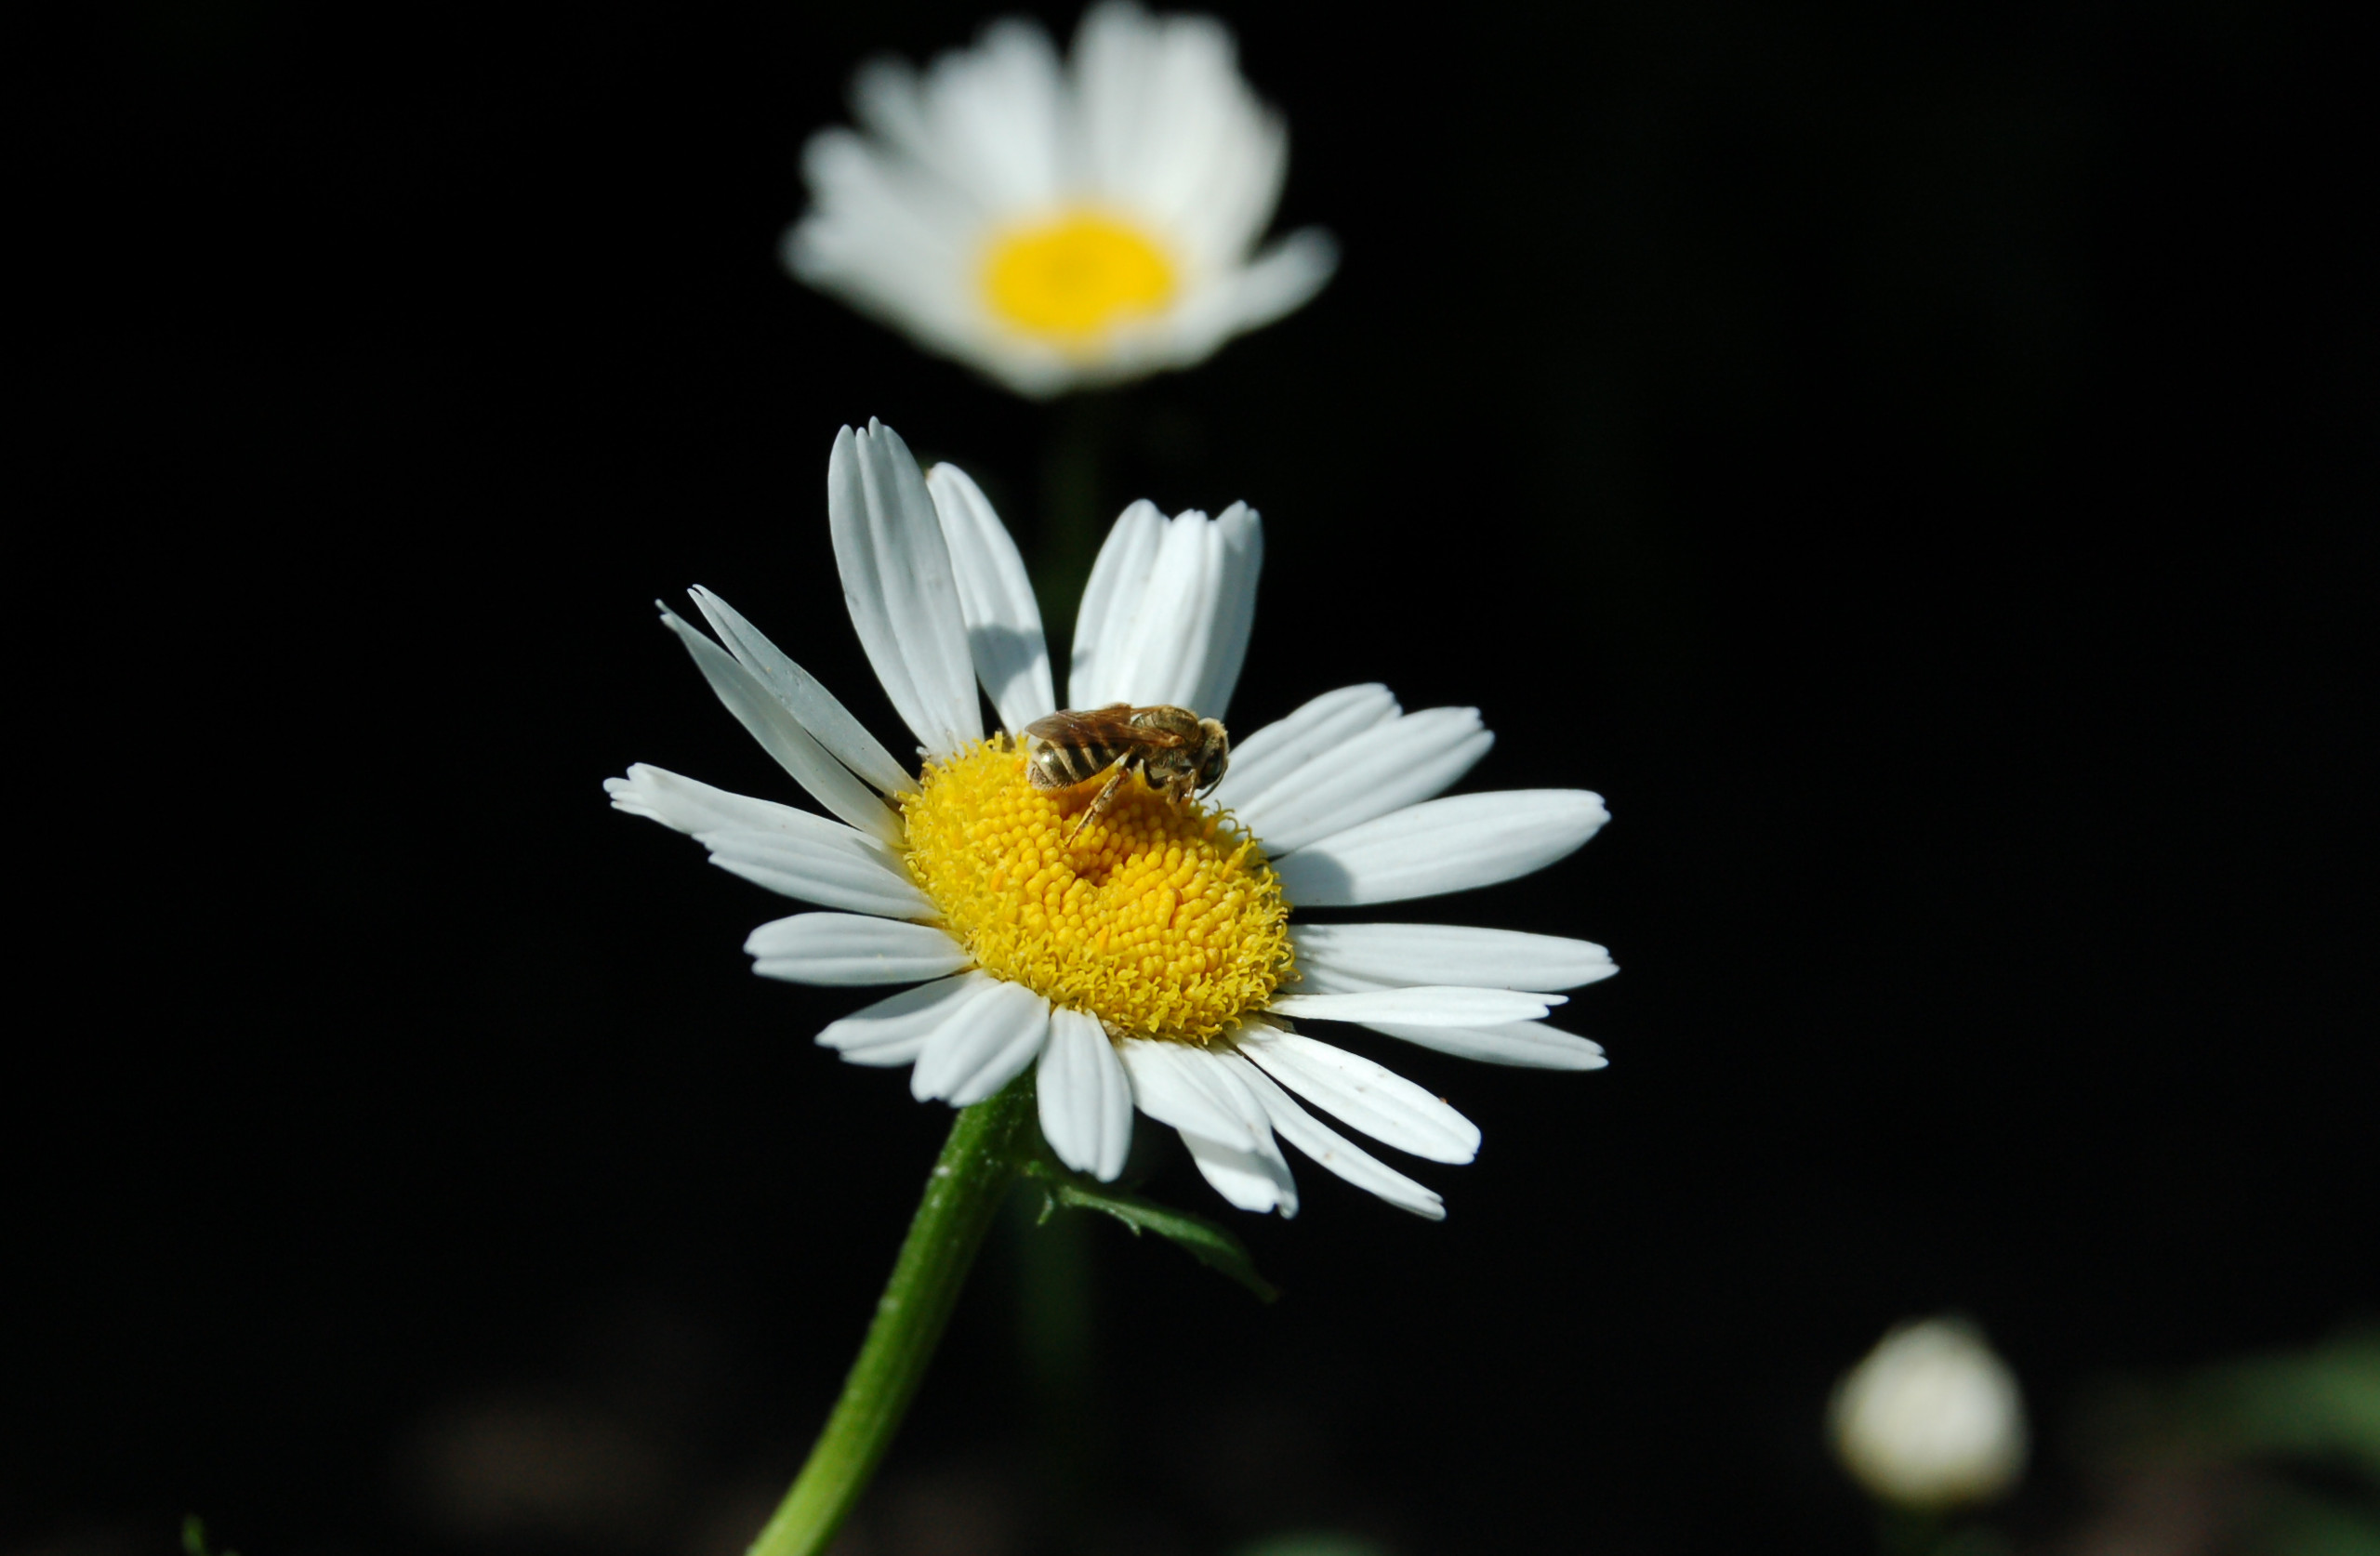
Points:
(1313, 1545)
(1201, 1239)
(194, 1536)
(2320, 1404)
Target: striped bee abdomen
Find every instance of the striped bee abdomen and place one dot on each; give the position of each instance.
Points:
(1053, 766)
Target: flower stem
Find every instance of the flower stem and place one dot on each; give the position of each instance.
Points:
(978, 1162)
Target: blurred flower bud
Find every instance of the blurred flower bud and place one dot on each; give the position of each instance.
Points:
(1931, 1419)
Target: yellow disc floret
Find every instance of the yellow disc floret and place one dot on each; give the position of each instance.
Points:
(1071, 280)
(1160, 917)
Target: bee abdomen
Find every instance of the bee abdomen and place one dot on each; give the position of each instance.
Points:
(1061, 767)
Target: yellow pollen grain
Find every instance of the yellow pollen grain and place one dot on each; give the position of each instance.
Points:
(1161, 918)
(1071, 280)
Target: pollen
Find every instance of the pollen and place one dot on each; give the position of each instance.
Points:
(1072, 280)
(1161, 918)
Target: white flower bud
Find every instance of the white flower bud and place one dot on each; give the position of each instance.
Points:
(1931, 1419)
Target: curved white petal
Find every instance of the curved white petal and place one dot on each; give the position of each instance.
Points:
(1530, 1045)
(1003, 621)
(1429, 1004)
(1239, 535)
(1280, 748)
(1334, 1151)
(1383, 1105)
(781, 735)
(1385, 767)
(889, 239)
(687, 805)
(1169, 1089)
(1172, 131)
(1278, 282)
(1257, 1180)
(1346, 959)
(1085, 1097)
(1254, 1176)
(1167, 613)
(1164, 629)
(985, 1048)
(894, 1029)
(1441, 845)
(855, 876)
(995, 117)
(898, 582)
(1119, 578)
(1151, 91)
(845, 948)
(817, 709)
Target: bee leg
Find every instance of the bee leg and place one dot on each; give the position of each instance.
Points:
(1096, 805)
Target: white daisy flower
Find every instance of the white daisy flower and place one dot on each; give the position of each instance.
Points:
(1141, 953)
(1056, 225)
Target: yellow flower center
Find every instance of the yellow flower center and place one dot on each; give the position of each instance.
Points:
(1161, 918)
(1071, 280)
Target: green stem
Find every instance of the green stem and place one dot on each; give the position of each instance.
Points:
(978, 1162)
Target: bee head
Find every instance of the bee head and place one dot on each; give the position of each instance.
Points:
(1214, 753)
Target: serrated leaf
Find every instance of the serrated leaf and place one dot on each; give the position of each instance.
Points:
(1200, 1238)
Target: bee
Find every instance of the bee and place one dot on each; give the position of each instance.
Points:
(1179, 753)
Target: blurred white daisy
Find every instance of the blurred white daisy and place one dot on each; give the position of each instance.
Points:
(1147, 962)
(1932, 1419)
(1052, 225)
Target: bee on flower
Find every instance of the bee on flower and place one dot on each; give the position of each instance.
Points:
(1060, 225)
(1060, 895)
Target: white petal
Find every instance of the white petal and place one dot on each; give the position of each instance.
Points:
(1119, 578)
(1172, 130)
(1248, 1179)
(1531, 1045)
(898, 582)
(1283, 746)
(1427, 1004)
(1253, 1175)
(1167, 611)
(894, 1030)
(1086, 1100)
(1383, 1105)
(845, 948)
(890, 239)
(1342, 958)
(686, 805)
(855, 876)
(886, 99)
(1280, 281)
(1441, 845)
(1003, 621)
(1387, 767)
(805, 697)
(970, 1058)
(996, 113)
(1155, 641)
(1171, 1089)
(1239, 537)
(781, 735)
(1334, 1151)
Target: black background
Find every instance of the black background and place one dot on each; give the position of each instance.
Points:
(1918, 467)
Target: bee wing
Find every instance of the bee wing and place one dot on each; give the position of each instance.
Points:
(1165, 729)
(1111, 725)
